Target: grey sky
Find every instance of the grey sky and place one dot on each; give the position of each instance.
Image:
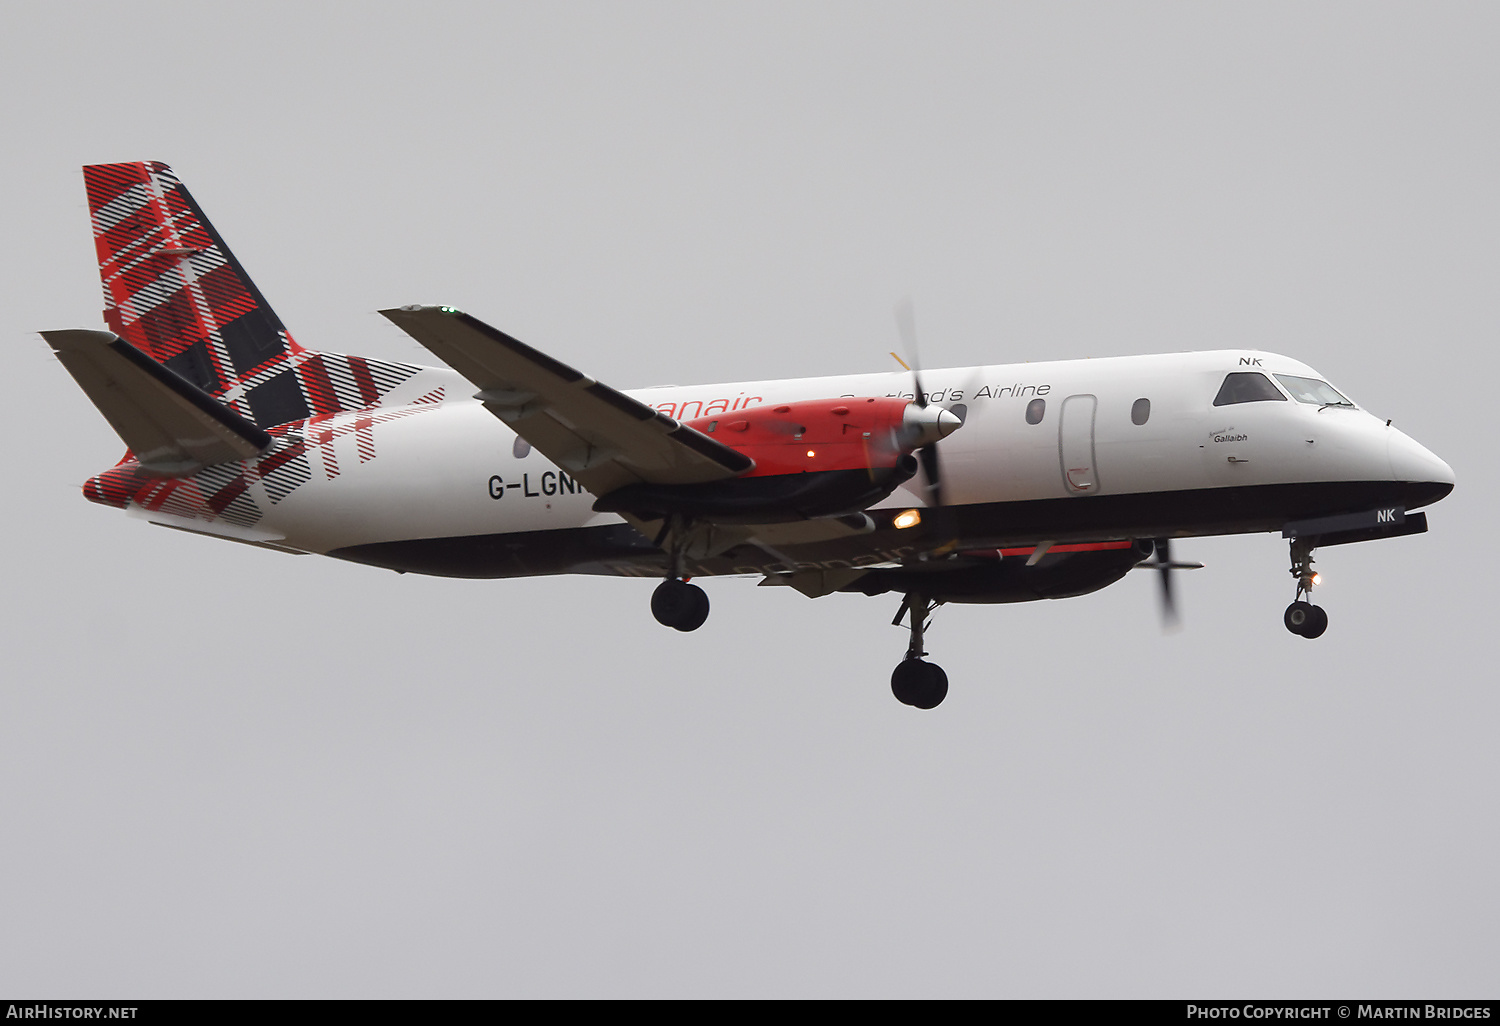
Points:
(226, 772)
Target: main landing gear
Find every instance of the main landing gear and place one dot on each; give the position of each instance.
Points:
(675, 603)
(915, 681)
(678, 604)
(1302, 617)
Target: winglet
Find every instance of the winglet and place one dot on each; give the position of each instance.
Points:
(173, 427)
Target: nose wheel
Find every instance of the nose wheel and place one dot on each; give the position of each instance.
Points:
(915, 681)
(1303, 618)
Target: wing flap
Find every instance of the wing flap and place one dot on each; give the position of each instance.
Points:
(173, 428)
(816, 583)
(602, 437)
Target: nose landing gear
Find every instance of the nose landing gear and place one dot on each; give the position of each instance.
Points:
(916, 682)
(1302, 617)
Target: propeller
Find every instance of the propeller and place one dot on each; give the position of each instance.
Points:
(927, 425)
(1164, 565)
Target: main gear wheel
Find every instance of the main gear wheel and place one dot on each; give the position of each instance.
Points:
(679, 605)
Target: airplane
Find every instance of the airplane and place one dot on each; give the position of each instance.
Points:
(989, 484)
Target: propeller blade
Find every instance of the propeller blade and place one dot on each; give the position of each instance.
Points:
(932, 471)
(906, 327)
(1164, 566)
(1169, 615)
(922, 428)
(930, 423)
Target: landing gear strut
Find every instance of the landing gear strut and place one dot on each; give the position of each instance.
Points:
(915, 681)
(675, 603)
(1302, 617)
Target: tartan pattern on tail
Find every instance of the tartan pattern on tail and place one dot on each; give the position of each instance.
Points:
(240, 493)
(174, 290)
(171, 286)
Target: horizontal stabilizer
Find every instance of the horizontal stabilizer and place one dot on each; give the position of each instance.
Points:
(602, 437)
(172, 427)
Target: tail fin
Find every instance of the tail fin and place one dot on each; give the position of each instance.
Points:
(171, 287)
(174, 291)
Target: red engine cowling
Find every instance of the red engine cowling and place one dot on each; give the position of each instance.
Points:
(819, 458)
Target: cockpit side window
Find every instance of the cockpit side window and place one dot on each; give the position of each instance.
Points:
(1247, 387)
(1312, 390)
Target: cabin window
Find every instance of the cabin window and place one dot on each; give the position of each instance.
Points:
(520, 448)
(1311, 390)
(1035, 411)
(1247, 387)
(1140, 411)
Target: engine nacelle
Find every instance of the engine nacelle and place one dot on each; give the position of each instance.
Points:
(1004, 576)
(820, 458)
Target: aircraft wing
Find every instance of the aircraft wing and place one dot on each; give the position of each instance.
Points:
(602, 437)
(172, 426)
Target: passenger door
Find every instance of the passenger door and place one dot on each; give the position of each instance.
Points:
(1075, 445)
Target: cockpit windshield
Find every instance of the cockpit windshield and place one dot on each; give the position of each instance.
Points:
(1311, 390)
(1247, 387)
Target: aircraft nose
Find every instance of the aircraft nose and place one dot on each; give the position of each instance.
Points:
(1415, 464)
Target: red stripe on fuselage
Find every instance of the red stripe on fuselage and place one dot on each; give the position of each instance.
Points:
(1081, 547)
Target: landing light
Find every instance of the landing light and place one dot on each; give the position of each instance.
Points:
(911, 518)
(1315, 580)
(811, 453)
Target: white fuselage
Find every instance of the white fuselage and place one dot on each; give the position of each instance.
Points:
(451, 470)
